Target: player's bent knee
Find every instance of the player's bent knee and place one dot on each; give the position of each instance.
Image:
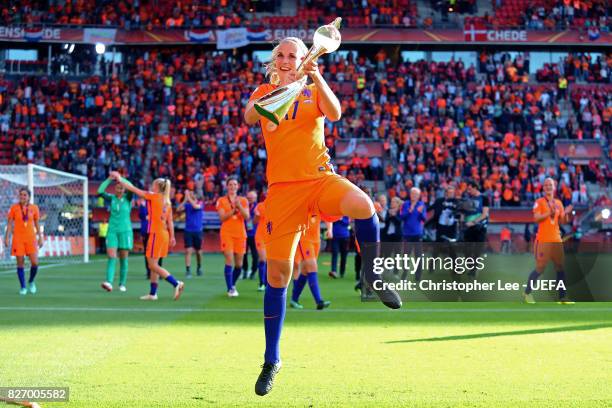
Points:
(310, 265)
(279, 273)
(357, 205)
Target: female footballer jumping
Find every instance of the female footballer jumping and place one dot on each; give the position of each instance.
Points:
(22, 224)
(161, 231)
(301, 182)
(120, 236)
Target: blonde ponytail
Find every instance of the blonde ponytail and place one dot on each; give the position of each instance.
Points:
(164, 186)
(167, 187)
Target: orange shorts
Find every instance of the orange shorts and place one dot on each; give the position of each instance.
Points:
(236, 245)
(548, 251)
(260, 241)
(290, 205)
(157, 247)
(24, 247)
(307, 250)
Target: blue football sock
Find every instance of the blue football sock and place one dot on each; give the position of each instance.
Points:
(21, 276)
(533, 277)
(237, 272)
(298, 286)
(229, 279)
(313, 283)
(274, 314)
(33, 272)
(561, 278)
(172, 281)
(367, 230)
(261, 269)
(153, 290)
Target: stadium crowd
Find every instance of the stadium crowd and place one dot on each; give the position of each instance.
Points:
(592, 16)
(128, 14)
(86, 127)
(439, 123)
(501, 67)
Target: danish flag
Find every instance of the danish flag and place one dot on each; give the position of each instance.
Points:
(475, 32)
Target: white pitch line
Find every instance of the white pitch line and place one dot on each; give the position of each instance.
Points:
(560, 309)
(10, 271)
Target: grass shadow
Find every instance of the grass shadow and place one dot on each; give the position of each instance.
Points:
(506, 333)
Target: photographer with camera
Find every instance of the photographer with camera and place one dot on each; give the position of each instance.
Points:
(445, 218)
(475, 208)
(476, 214)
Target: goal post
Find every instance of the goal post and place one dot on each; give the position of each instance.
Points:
(63, 200)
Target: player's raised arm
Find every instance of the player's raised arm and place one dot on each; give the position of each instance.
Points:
(190, 197)
(129, 186)
(251, 116)
(181, 206)
(102, 189)
(328, 101)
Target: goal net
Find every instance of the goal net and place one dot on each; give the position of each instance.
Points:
(62, 200)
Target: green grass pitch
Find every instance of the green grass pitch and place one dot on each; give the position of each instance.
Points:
(113, 350)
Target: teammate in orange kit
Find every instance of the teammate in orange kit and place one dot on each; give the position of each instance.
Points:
(259, 219)
(301, 182)
(305, 265)
(22, 223)
(548, 213)
(233, 211)
(161, 231)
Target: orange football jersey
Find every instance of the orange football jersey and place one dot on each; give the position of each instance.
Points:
(233, 226)
(24, 218)
(158, 212)
(548, 229)
(296, 148)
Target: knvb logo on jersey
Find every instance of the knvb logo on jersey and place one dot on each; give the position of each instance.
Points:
(307, 93)
(269, 227)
